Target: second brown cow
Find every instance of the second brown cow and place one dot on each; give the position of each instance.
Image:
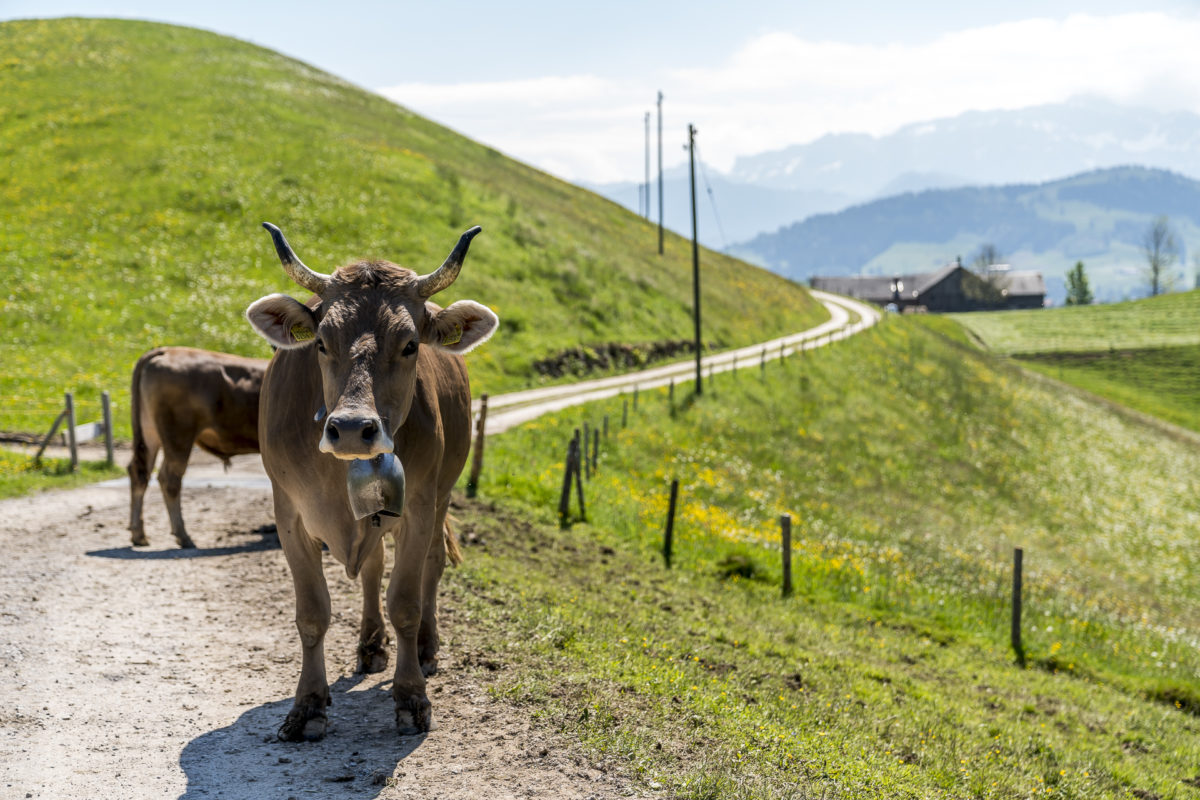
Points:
(182, 397)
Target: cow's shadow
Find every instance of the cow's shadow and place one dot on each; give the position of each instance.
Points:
(268, 540)
(360, 751)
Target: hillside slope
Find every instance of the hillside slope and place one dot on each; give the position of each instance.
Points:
(141, 159)
(911, 464)
(1098, 217)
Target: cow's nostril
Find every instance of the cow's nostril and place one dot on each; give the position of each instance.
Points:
(369, 432)
(332, 432)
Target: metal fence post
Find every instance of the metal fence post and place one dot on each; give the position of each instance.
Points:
(785, 526)
(668, 534)
(1016, 607)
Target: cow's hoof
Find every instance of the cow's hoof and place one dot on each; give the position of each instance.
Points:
(372, 657)
(429, 667)
(185, 541)
(414, 715)
(303, 730)
(138, 539)
(306, 722)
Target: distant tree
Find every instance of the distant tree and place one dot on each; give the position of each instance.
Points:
(990, 288)
(1161, 249)
(1078, 291)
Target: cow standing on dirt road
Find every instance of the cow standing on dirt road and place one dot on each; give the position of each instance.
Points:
(367, 368)
(181, 397)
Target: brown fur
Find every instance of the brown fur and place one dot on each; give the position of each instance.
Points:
(183, 397)
(386, 366)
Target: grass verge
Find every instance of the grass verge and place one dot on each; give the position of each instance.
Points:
(20, 475)
(911, 466)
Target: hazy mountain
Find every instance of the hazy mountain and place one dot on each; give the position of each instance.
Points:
(984, 147)
(1098, 217)
(1030, 145)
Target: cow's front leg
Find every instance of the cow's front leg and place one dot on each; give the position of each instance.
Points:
(428, 642)
(413, 712)
(307, 720)
(372, 635)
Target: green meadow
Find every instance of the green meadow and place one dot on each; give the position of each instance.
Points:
(1169, 320)
(140, 160)
(911, 465)
(1143, 354)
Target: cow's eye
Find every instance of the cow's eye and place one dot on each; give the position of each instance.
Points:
(410, 348)
(320, 345)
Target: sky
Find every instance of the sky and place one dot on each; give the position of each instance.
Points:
(565, 86)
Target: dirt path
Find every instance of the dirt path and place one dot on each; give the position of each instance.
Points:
(163, 673)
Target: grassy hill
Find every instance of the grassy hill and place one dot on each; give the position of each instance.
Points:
(141, 159)
(1143, 354)
(911, 465)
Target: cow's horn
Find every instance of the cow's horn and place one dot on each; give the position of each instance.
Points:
(434, 282)
(315, 282)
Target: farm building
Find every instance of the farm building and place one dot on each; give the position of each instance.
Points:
(952, 288)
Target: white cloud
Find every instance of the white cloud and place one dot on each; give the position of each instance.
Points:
(781, 89)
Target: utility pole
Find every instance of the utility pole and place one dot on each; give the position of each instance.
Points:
(647, 165)
(695, 251)
(660, 181)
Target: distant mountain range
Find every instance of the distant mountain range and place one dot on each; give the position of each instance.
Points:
(764, 192)
(1098, 217)
(983, 147)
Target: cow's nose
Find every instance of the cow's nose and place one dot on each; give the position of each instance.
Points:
(351, 430)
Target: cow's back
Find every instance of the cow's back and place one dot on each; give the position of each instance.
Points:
(213, 396)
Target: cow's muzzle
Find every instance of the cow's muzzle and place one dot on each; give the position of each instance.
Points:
(351, 437)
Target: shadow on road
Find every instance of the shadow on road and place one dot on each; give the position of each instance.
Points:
(269, 540)
(358, 754)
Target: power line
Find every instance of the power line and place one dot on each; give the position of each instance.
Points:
(713, 200)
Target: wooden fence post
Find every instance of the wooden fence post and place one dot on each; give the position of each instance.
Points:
(1016, 607)
(587, 462)
(762, 366)
(606, 427)
(477, 455)
(106, 402)
(71, 432)
(671, 392)
(735, 365)
(580, 454)
(564, 499)
(37, 458)
(635, 395)
(625, 413)
(668, 534)
(595, 450)
(785, 530)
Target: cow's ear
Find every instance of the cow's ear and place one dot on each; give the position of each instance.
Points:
(283, 321)
(463, 326)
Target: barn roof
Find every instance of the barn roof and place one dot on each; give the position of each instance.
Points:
(878, 288)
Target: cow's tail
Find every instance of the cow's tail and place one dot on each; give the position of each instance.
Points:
(139, 466)
(453, 554)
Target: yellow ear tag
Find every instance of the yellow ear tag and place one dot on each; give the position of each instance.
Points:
(301, 333)
(453, 338)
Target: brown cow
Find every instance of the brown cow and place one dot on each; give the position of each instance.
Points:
(183, 396)
(387, 364)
